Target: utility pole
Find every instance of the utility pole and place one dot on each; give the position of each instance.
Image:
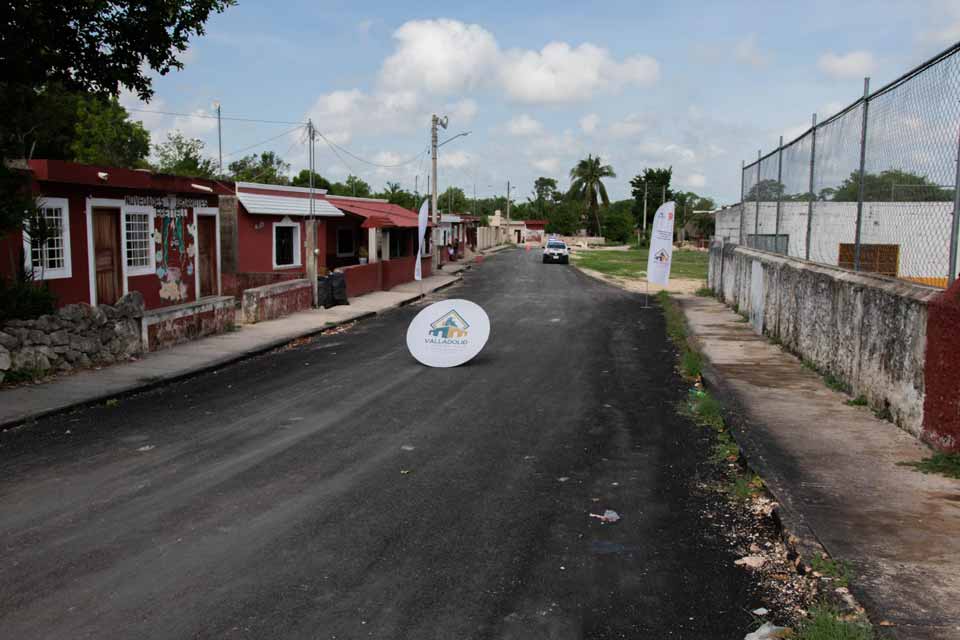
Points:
(311, 243)
(435, 121)
(219, 140)
(508, 211)
(644, 209)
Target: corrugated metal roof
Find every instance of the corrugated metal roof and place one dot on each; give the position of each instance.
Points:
(286, 206)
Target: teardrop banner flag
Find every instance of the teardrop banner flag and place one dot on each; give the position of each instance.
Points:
(422, 229)
(661, 246)
(448, 333)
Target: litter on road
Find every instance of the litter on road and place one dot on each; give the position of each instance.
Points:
(608, 516)
(769, 632)
(753, 562)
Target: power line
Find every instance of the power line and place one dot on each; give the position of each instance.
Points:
(334, 145)
(232, 153)
(213, 117)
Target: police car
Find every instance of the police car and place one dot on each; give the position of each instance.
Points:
(556, 251)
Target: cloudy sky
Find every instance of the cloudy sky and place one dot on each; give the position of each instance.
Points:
(696, 85)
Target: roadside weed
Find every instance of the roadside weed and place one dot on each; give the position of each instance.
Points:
(836, 569)
(859, 401)
(745, 487)
(825, 623)
(691, 363)
(944, 464)
(705, 292)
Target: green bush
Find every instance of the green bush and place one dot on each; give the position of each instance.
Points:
(23, 299)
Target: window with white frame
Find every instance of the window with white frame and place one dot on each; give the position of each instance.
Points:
(345, 242)
(46, 240)
(286, 244)
(138, 234)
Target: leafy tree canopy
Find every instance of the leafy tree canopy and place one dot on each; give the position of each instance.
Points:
(352, 186)
(302, 179)
(183, 156)
(890, 185)
(105, 135)
(655, 183)
(268, 168)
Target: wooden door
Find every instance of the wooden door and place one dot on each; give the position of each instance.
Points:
(207, 254)
(106, 252)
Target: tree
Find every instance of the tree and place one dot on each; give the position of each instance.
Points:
(99, 45)
(586, 186)
(618, 223)
(544, 194)
(353, 186)
(183, 157)
(655, 183)
(768, 190)
(395, 194)
(453, 200)
(302, 179)
(105, 135)
(268, 168)
(890, 185)
(564, 218)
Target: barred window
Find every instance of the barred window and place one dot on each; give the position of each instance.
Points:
(47, 240)
(138, 240)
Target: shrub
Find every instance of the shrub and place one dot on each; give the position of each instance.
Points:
(23, 299)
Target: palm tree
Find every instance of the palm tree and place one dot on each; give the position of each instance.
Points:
(586, 185)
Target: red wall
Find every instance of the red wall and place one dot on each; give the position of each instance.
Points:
(255, 253)
(331, 260)
(77, 287)
(941, 408)
(362, 278)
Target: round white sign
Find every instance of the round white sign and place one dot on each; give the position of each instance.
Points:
(448, 333)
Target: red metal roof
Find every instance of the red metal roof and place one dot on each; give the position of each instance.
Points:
(378, 213)
(75, 173)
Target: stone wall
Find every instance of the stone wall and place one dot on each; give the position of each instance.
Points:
(162, 328)
(276, 300)
(866, 330)
(76, 336)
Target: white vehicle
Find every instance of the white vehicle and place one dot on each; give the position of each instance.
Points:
(556, 251)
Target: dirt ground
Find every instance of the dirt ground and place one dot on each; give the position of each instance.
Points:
(639, 285)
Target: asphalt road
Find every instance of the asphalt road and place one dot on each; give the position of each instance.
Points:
(338, 489)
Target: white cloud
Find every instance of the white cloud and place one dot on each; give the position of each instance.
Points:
(453, 160)
(441, 56)
(588, 123)
(197, 125)
(548, 165)
(462, 112)
(561, 73)
(747, 52)
(855, 64)
(524, 125)
(339, 115)
(445, 56)
(694, 181)
(631, 125)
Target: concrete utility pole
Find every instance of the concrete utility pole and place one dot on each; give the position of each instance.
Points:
(434, 123)
(311, 226)
(219, 141)
(508, 212)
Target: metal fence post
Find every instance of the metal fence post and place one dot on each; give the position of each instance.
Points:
(811, 196)
(863, 159)
(776, 226)
(742, 225)
(955, 226)
(756, 215)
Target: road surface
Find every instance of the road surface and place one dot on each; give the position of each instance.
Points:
(338, 489)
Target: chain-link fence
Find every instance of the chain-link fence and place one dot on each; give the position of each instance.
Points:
(872, 188)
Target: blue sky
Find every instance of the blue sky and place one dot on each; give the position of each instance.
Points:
(696, 85)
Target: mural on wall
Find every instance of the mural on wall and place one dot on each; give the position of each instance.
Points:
(176, 249)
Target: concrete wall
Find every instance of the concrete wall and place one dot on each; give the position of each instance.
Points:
(276, 300)
(488, 237)
(164, 328)
(869, 331)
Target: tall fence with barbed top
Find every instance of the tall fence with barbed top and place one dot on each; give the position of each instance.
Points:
(872, 188)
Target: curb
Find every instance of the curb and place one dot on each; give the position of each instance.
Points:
(233, 358)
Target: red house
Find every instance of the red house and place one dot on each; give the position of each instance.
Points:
(119, 230)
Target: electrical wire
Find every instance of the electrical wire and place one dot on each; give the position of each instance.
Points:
(257, 144)
(334, 145)
(211, 116)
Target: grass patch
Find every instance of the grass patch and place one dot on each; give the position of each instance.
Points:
(691, 363)
(825, 624)
(744, 486)
(859, 401)
(20, 376)
(836, 569)
(944, 464)
(705, 292)
(725, 449)
(629, 264)
(835, 383)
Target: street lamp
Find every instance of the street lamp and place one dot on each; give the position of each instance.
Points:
(459, 135)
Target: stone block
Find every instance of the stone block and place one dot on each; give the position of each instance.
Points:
(4, 359)
(9, 341)
(58, 338)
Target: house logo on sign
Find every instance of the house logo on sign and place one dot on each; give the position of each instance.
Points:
(450, 326)
(661, 257)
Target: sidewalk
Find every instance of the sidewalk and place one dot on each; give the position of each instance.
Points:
(29, 402)
(833, 469)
